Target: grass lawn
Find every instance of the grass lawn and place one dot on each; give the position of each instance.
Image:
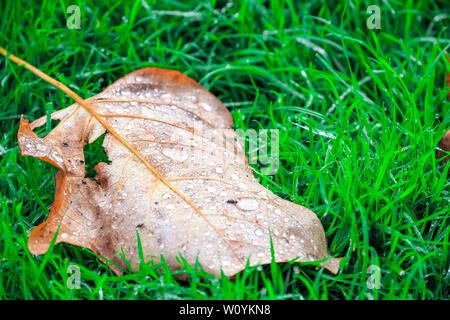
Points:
(360, 112)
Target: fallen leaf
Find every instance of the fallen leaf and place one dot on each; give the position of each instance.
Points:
(177, 175)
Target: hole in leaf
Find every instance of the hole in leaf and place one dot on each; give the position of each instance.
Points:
(94, 153)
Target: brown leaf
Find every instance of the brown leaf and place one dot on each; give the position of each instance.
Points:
(178, 175)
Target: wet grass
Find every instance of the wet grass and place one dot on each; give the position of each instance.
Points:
(359, 112)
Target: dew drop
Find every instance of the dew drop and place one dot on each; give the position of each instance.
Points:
(258, 232)
(174, 154)
(243, 186)
(205, 106)
(166, 97)
(247, 204)
(42, 147)
(194, 99)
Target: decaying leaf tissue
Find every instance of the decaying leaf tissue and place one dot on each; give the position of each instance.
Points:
(185, 191)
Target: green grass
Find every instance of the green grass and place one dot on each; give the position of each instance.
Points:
(360, 113)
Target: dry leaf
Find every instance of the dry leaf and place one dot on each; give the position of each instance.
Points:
(184, 189)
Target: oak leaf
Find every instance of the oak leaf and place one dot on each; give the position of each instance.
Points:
(185, 191)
